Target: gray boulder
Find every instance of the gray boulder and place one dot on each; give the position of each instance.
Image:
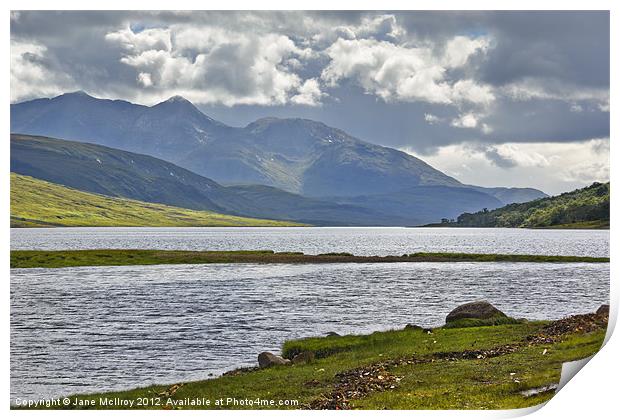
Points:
(303, 358)
(332, 334)
(477, 310)
(413, 327)
(266, 359)
(603, 310)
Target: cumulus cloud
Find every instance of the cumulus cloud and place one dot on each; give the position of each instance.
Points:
(465, 121)
(553, 167)
(587, 172)
(495, 157)
(148, 39)
(486, 128)
(213, 65)
(383, 27)
(468, 90)
(379, 27)
(545, 89)
(402, 73)
(459, 49)
(144, 79)
(29, 72)
(432, 119)
(309, 93)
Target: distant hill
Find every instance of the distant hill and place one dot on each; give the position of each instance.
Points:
(583, 208)
(112, 172)
(296, 155)
(36, 203)
(426, 202)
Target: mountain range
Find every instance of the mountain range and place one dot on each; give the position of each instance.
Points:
(296, 168)
(116, 173)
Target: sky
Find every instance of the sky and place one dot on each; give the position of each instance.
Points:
(491, 98)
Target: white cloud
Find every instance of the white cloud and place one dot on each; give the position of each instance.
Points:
(586, 173)
(216, 66)
(145, 79)
(148, 39)
(432, 119)
(537, 88)
(604, 106)
(551, 167)
(29, 73)
(576, 108)
(402, 73)
(380, 27)
(468, 90)
(526, 155)
(486, 128)
(465, 121)
(459, 49)
(309, 94)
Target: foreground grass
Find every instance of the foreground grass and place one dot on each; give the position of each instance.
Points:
(107, 257)
(487, 383)
(37, 203)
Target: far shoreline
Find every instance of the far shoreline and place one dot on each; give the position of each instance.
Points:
(593, 225)
(309, 226)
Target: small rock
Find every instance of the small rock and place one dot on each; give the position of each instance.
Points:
(476, 310)
(603, 310)
(266, 359)
(413, 327)
(303, 358)
(332, 334)
(312, 383)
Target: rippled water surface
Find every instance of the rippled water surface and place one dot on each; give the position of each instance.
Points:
(91, 329)
(358, 241)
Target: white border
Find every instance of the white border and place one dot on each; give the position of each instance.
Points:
(594, 391)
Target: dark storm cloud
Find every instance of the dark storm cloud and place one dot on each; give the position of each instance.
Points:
(494, 156)
(547, 72)
(571, 45)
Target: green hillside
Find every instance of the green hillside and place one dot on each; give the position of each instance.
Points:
(583, 208)
(36, 203)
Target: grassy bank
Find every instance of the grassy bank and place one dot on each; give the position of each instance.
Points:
(449, 368)
(36, 203)
(106, 257)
